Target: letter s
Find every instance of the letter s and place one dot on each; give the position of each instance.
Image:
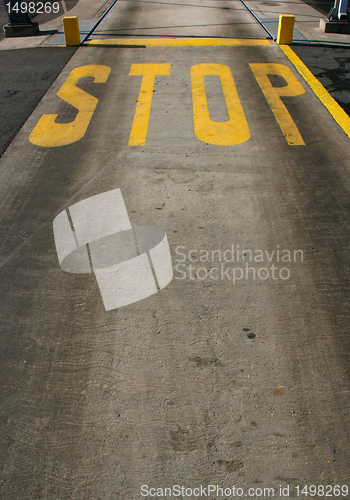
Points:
(176, 490)
(144, 490)
(48, 133)
(180, 253)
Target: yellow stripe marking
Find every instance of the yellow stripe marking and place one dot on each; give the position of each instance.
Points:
(179, 42)
(139, 129)
(327, 100)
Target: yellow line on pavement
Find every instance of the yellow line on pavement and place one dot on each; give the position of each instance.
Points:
(180, 42)
(327, 100)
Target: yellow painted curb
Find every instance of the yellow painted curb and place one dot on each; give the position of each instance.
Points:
(180, 42)
(327, 100)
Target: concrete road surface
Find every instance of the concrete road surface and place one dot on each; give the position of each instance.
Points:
(132, 371)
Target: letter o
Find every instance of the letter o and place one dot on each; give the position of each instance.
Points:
(229, 133)
(206, 273)
(267, 273)
(284, 269)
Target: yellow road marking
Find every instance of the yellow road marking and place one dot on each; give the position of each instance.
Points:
(180, 42)
(48, 133)
(138, 134)
(231, 132)
(273, 97)
(327, 100)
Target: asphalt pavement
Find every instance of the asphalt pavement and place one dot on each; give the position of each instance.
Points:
(3, 19)
(26, 76)
(174, 269)
(331, 66)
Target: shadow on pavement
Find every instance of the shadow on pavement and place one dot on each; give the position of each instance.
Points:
(26, 75)
(331, 66)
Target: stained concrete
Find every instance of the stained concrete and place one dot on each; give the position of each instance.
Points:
(209, 381)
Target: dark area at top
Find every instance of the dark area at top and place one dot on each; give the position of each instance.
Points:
(323, 6)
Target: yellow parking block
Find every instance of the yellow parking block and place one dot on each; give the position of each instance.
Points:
(71, 30)
(285, 29)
